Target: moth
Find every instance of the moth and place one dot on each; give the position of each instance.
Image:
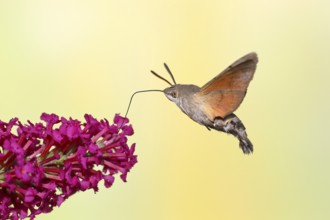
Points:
(213, 104)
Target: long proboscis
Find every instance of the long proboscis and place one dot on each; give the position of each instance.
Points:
(130, 101)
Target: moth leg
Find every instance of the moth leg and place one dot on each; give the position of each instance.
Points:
(208, 128)
(233, 125)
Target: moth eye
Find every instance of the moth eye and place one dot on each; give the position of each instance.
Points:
(173, 94)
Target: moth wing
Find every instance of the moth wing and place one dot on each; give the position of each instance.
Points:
(224, 93)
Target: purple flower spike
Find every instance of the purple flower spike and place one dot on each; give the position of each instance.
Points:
(43, 164)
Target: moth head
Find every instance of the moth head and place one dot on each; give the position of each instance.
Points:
(181, 92)
(172, 93)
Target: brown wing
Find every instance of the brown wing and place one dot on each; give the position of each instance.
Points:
(224, 93)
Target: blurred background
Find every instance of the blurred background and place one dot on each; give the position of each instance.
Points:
(76, 57)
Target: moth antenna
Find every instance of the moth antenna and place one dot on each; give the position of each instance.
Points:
(130, 102)
(160, 77)
(169, 71)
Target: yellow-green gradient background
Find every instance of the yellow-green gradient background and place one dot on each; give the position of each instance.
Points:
(76, 57)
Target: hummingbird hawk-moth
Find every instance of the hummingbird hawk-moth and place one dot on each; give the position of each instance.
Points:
(213, 104)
